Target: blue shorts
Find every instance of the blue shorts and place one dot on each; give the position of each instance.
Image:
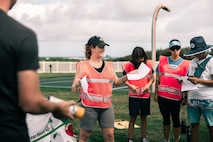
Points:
(105, 117)
(196, 108)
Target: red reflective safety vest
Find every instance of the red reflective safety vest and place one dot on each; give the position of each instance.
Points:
(128, 67)
(169, 87)
(99, 93)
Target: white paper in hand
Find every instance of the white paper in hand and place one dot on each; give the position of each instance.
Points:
(186, 84)
(143, 70)
(84, 84)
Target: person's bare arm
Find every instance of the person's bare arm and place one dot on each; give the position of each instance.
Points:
(76, 82)
(148, 85)
(32, 101)
(196, 80)
(119, 81)
(123, 79)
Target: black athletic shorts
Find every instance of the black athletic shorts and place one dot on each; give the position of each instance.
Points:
(139, 106)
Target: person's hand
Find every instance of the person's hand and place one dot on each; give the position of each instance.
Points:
(194, 80)
(62, 110)
(179, 81)
(78, 83)
(184, 101)
(134, 89)
(145, 89)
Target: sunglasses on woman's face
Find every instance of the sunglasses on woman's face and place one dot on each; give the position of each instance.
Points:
(175, 47)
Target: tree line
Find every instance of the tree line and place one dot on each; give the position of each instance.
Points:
(160, 52)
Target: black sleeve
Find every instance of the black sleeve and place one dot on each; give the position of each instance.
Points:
(28, 52)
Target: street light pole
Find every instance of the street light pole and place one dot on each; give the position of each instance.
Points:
(154, 20)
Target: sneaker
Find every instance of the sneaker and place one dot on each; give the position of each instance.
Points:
(130, 140)
(144, 140)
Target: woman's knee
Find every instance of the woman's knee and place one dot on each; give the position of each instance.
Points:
(84, 135)
(108, 134)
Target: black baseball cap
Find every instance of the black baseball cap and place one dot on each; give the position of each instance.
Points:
(96, 41)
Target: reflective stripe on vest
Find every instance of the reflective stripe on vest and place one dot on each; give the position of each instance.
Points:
(167, 89)
(97, 98)
(100, 80)
(169, 75)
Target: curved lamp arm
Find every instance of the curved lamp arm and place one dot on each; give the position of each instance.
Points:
(154, 20)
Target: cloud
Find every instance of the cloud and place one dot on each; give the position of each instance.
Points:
(115, 20)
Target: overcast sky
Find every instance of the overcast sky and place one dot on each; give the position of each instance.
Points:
(64, 26)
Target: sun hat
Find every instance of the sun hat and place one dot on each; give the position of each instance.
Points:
(174, 43)
(198, 45)
(96, 41)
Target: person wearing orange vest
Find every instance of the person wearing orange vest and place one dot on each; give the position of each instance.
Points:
(97, 97)
(168, 90)
(139, 94)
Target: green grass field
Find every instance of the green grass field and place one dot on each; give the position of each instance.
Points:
(120, 102)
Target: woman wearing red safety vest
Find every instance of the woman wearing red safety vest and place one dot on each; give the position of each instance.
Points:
(139, 94)
(96, 98)
(168, 90)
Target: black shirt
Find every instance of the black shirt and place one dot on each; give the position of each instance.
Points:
(18, 52)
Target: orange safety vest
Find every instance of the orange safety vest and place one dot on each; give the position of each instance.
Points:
(139, 83)
(99, 85)
(169, 87)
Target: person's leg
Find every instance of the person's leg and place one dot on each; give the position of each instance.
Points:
(210, 133)
(194, 113)
(84, 135)
(176, 133)
(207, 112)
(108, 134)
(131, 127)
(145, 111)
(143, 126)
(106, 121)
(165, 112)
(166, 129)
(87, 123)
(134, 104)
(195, 132)
(175, 113)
